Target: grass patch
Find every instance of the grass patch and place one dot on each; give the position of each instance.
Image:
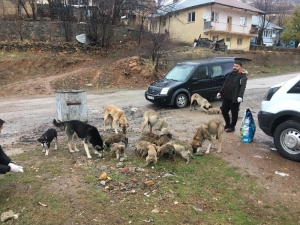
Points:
(206, 191)
(266, 71)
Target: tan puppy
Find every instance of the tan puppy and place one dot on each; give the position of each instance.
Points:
(166, 150)
(113, 114)
(117, 149)
(141, 148)
(155, 122)
(183, 151)
(152, 155)
(198, 99)
(214, 127)
(214, 111)
(116, 139)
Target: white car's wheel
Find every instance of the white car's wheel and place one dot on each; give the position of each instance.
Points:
(287, 140)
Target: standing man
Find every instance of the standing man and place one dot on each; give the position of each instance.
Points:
(232, 93)
(6, 165)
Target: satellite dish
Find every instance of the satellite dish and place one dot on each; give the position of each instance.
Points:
(205, 15)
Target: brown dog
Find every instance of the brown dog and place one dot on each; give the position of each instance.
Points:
(163, 139)
(117, 149)
(148, 139)
(152, 155)
(152, 135)
(113, 114)
(198, 99)
(166, 150)
(214, 127)
(116, 139)
(155, 122)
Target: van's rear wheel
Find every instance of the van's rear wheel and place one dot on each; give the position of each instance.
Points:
(181, 100)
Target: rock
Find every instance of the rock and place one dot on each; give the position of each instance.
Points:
(102, 183)
(9, 215)
(122, 159)
(120, 165)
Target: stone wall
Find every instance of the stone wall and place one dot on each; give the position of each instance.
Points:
(47, 31)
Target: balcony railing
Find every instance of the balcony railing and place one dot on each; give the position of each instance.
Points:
(228, 28)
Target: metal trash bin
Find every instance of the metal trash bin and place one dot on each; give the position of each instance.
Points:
(71, 105)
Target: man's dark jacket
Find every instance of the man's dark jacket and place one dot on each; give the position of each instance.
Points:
(4, 160)
(238, 87)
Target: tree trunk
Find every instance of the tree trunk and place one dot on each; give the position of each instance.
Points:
(260, 38)
(141, 29)
(22, 4)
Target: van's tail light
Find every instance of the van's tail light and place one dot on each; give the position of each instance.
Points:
(270, 93)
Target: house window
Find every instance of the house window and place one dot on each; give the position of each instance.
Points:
(191, 17)
(227, 39)
(240, 41)
(215, 16)
(268, 33)
(154, 25)
(243, 21)
(164, 22)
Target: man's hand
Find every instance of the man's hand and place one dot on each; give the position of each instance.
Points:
(218, 96)
(15, 168)
(239, 99)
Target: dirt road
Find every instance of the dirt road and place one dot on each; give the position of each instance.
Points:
(28, 118)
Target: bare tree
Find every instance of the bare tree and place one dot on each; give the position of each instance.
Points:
(266, 6)
(156, 45)
(282, 9)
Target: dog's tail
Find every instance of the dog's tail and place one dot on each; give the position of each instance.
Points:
(61, 124)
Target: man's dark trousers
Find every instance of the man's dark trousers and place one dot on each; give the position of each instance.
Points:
(227, 106)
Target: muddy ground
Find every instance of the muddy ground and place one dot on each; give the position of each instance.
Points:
(28, 117)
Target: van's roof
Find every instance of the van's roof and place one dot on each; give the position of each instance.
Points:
(216, 59)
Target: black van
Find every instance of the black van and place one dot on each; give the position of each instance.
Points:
(204, 77)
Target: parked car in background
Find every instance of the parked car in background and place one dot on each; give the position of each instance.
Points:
(279, 117)
(204, 77)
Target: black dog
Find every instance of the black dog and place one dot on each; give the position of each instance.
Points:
(47, 138)
(87, 133)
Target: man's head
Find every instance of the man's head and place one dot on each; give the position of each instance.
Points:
(237, 66)
(1, 124)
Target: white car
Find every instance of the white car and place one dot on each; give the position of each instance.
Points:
(279, 117)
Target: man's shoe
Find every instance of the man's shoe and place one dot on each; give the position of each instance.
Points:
(230, 129)
(226, 127)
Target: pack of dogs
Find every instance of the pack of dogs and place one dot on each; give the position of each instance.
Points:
(153, 145)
